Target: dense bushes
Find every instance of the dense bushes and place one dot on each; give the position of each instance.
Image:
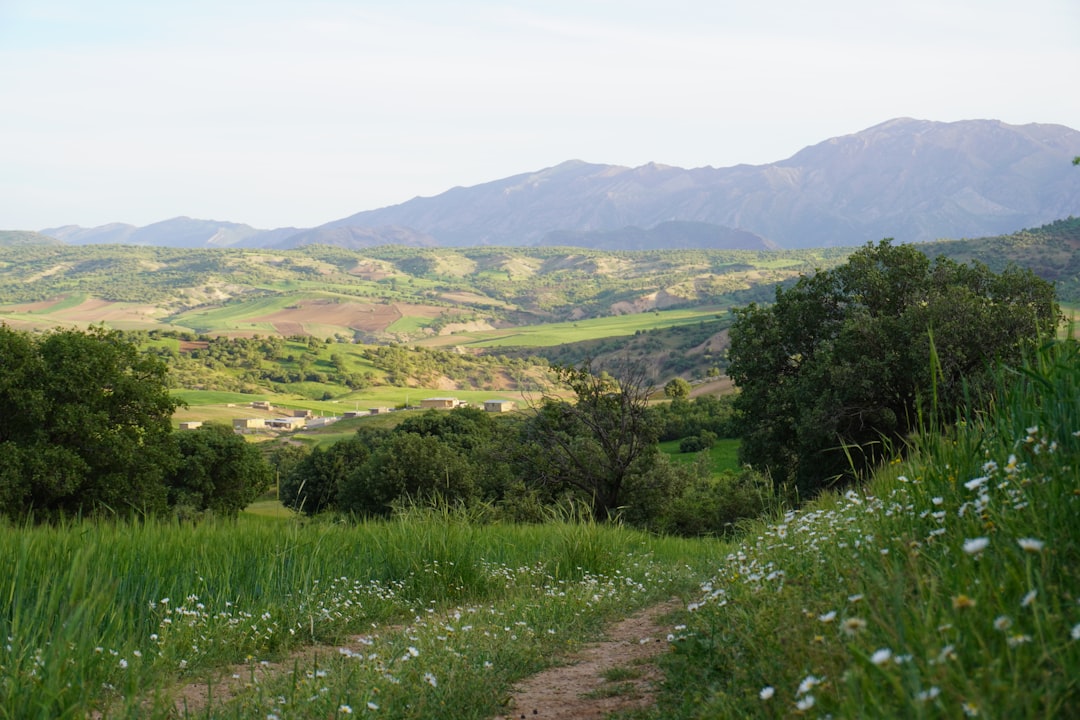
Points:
(502, 469)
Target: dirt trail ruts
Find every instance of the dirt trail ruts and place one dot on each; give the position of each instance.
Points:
(581, 688)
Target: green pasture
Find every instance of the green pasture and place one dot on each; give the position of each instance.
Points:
(581, 330)
(723, 456)
(237, 314)
(408, 324)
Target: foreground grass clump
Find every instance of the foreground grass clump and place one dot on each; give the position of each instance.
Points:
(114, 620)
(948, 587)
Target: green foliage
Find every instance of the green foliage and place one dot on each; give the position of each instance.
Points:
(696, 443)
(705, 413)
(600, 442)
(945, 589)
(408, 465)
(218, 472)
(312, 484)
(84, 425)
(718, 505)
(838, 370)
(677, 388)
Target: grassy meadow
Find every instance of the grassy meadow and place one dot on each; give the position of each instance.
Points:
(424, 616)
(947, 587)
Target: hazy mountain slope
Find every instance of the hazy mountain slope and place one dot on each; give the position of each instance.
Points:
(15, 238)
(672, 234)
(914, 180)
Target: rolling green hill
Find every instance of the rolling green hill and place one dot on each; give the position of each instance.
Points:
(463, 318)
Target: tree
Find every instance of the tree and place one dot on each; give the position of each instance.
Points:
(84, 425)
(842, 360)
(599, 442)
(218, 472)
(677, 388)
(408, 465)
(313, 483)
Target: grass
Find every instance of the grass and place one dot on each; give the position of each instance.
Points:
(426, 615)
(948, 587)
(723, 455)
(577, 331)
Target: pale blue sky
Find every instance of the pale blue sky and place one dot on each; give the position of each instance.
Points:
(281, 113)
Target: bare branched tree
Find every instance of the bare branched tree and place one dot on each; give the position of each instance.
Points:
(600, 440)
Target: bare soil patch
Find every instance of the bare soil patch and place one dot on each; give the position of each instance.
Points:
(366, 317)
(581, 688)
(96, 310)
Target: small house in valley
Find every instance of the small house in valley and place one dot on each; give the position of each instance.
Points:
(287, 423)
(248, 425)
(441, 403)
(499, 406)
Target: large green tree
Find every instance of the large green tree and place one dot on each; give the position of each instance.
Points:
(842, 360)
(218, 472)
(84, 425)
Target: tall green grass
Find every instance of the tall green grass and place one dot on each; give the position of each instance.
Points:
(112, 619)
(949, 587)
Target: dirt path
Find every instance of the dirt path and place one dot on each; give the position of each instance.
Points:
(616, 674)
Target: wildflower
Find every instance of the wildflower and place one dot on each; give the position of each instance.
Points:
(961, 602)
(808, 684)
(344, 710)
(970, 709)
(976, 483)
(372, 706)
(767, 692)
(1029, 598)
(1030, 544)
(1076, 631)
(930, 694)
(853, 625)
(413, 652)
(806, 703)
(937, 500)
(976, 545)
(1002, 623)
(881, 656)
(123, 664)
(430, 680)
(855, 598)
(827, 617)
(1018, 640)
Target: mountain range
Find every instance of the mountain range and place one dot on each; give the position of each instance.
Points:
(912, 180)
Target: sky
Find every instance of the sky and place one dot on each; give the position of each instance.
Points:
(276, 113)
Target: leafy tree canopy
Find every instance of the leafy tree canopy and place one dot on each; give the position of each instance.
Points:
(218, 471)
(842, 360)
(84, 425)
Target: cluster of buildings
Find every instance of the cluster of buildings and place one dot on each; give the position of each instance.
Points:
(288, 420)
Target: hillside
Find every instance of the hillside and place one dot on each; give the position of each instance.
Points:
(912, 180)
(379, 295)
(11, 238)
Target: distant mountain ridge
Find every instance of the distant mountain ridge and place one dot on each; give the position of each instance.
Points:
(913, 180)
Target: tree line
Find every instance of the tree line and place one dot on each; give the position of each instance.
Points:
(597, 450)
